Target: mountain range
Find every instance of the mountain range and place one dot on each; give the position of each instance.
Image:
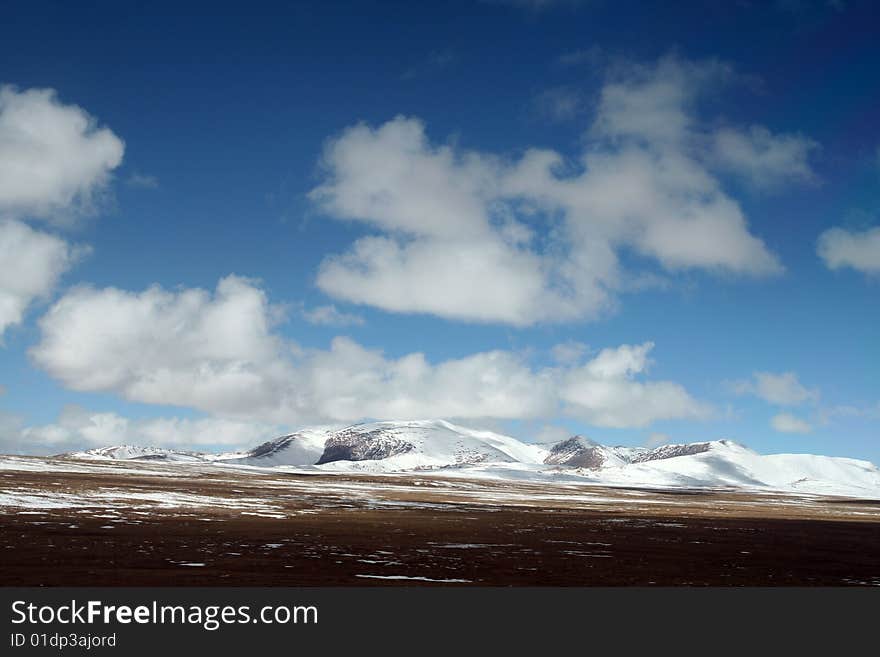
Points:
(442, 447)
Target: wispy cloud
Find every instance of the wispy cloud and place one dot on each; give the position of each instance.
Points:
(788, 423)
(765, 160)
(783, 389)
(331, 316)
(141, 181)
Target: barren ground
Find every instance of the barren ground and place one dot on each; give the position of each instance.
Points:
(71, 523)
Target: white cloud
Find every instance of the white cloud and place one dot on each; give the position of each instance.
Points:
(350, 382)
(474, 236)
(54, 159)
(859, 250)
(188, 348)
(77, 428)
(787, 423)
(764, 159)
(394, 179)
(54, 162)
(486, 281)
(331, 316)
(783, 389)
(605, 392)
(218, 354)
(654, 103)
(31, 263)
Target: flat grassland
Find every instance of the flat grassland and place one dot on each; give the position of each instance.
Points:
(76, 523)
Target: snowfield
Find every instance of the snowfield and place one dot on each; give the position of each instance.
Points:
(445, 449)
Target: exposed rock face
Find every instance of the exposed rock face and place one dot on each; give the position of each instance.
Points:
(580, 452)
(348, 445)
(576, 452)
(671, 451)
(271, 446)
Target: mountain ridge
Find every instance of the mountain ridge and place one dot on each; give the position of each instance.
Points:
(444, 447)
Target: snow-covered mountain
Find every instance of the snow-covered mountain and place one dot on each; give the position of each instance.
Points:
(391, 446)
(136, 453)
(443, 447)
(580, 452)
(301, 448)
(728, 464)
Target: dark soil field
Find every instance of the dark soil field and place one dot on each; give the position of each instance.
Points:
(164, 525)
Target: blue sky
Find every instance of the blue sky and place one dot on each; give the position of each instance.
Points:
(685, 198)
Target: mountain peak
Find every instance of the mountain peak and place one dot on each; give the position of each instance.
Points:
(578, 452)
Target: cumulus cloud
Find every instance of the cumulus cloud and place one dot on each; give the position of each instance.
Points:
(54, 162)
(77, 428)
(218, 353)
(859, 250)
(331, 316)
(31, 262)
(349, 381)
(783, 389)
(787, 423)
(54, 158)
(487, 282)
(189, 347)
(605, 392)
(474, 236)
